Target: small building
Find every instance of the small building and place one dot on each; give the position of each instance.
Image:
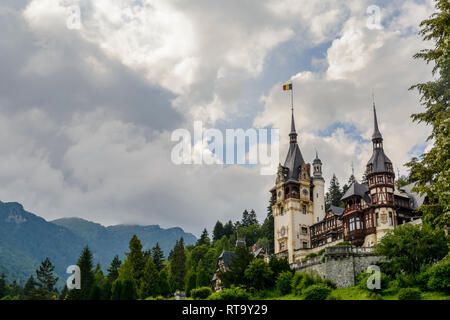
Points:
(224, 262)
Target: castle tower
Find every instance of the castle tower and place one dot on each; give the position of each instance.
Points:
(318, 190)
(381, 179)
(292, 205)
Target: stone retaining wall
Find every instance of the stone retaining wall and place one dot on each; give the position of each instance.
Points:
(340, 264)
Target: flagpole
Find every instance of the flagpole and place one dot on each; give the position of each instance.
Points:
(292, 98)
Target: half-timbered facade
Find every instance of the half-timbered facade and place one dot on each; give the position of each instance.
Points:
(370, 209)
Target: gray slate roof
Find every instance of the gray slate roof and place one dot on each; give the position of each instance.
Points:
(257, 252)
(378, 161)
(336, 210)
(226, 258)
(357, 189)
(294, 160)
(416, 199)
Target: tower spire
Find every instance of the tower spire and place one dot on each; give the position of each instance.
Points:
(293, 134)
(376, 132)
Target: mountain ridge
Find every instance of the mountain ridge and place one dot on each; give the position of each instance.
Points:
(26, 239)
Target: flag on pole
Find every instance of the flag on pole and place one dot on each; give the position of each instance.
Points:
(287, 87)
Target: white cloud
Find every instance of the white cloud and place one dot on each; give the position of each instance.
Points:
(359, 61)
(85, 117)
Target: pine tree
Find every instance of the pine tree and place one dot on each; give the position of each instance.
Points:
(64, 292)
(136, 258)
(267, 229)
(3, 288)
(116, 290)
(150, 281)
(435, 96)
(87, 276)
(30, 286)
(351, 180)
(364, 178)
(164, 286)
(178, 265)
(203, 279)
(248, 219)
(46, 280)
(128, 291)
(219, 231)
(334, 194)
(204, 239)
(191, 282)
(228, 229)
(158, 257)
(113, 269)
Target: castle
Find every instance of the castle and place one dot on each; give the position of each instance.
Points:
(302, 225)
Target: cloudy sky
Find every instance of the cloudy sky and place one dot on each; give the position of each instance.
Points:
(86, 114)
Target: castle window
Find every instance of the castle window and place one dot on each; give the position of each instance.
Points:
(352, 224)
(282, 211)
(304, 209)
(304, 230)
(358, 223)
(282, 246)
(378, 220)
(380, 179)
(305, 245)
(390, 218)
(374, 198)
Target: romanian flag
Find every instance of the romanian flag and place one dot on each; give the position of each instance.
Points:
(287, 87)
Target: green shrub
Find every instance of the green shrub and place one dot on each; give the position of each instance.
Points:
(409, 294)
(302, 280)
(284, 282)
(401, 281)
(297, 278)
(439, 276)
(201, 293)
(233, 293)
(316, 292)
(307, 280)
(258, 275)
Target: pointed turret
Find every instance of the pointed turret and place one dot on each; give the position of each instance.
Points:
(376, 132)
(379, 162)
(293, 133)
(294, 158)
